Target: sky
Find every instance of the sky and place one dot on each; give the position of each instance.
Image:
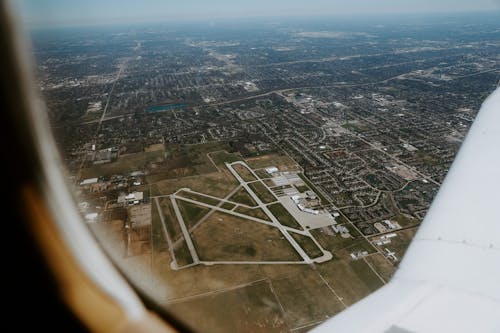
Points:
(89, 12)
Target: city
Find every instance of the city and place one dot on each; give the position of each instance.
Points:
(278, 169)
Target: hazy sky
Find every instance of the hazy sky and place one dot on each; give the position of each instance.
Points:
(77, 12)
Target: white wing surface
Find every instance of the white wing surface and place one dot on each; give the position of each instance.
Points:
(449, 279)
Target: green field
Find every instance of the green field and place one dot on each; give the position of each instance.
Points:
(159, 243)
(284, 216)
(227, 205)
(244, 173)
(220, 157)
(307, 244)
(192, 156)
(182, 254)
(262, 192)
(181, 251)
(170, 219)
(199, 197)
(302, 188)
(191, 213)
(217, 184)
(125, 164)
(243, 197)
(262, 174)
(254, 212)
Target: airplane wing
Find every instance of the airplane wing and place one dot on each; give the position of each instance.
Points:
(449, 279)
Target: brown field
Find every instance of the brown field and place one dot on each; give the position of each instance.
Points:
(382, 265)
(224, 237)
(276, 272)
(155, 147)
(405, 221)
(306, 298)
(200, 279)
(351, 280)
(283, 162)
(252, 308)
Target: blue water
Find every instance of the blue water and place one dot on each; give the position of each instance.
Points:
(166, 107)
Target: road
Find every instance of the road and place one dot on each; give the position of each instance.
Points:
(185, 232)
(326, 255)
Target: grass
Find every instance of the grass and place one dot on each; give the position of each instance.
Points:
(311, 302)
(180, 249)
(221, 157)
(283, 162)
(371, 280)
(284, 216)
(254, 212)
(173, 228)
(336, 243)
(302, 188)
(199, 197)
(243, 197)
(191, 213)
(252, 308)
(225, 237)
(227, 205)
(218, 184)
(262, 192)
(352, 282)
(159, 243)
(182, 255)
(262, 174)
(427, 158)
(308, 245)
(404, 220)
(244, 172)
(125, 164)
(383, 266)
(193, 156)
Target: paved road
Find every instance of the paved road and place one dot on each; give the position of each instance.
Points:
(167, 236)
(276, 223)
(185, 232)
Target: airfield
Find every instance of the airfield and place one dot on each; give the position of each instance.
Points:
(241, 233)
